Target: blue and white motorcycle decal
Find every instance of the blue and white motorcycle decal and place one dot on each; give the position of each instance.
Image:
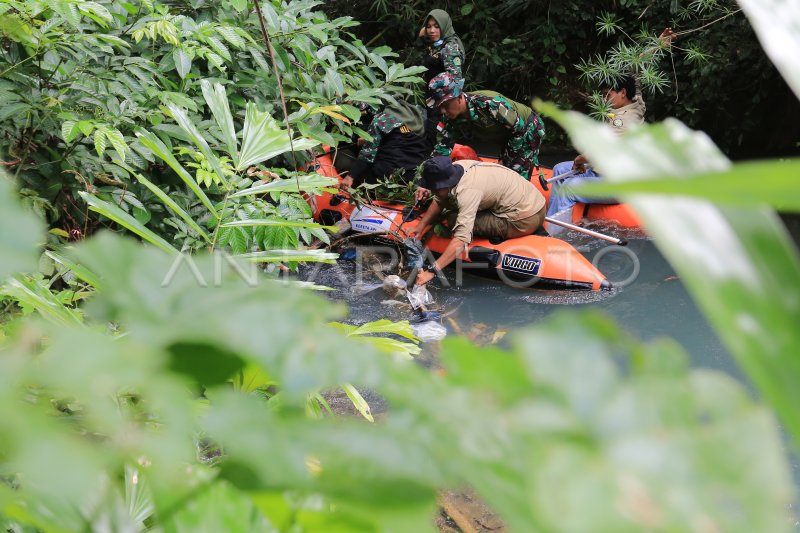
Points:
(371, 219)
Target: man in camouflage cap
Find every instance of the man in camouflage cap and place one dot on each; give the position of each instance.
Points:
(444, 87)
(489, 117)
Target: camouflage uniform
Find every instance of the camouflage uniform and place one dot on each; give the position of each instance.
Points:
(382, 124)
(448, 57)
(446, 54)
(521, 151)
(397, 146)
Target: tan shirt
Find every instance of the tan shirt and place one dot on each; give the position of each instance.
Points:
(488, 186)
(626, 116)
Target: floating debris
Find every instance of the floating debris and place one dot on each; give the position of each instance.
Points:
(429, 331)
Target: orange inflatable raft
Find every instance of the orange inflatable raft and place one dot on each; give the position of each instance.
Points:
(531, 261)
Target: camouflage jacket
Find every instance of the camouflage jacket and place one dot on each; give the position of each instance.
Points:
(382, 124)
(445, 58)
(484, 112)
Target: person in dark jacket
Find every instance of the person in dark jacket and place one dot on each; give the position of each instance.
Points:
(398, 144)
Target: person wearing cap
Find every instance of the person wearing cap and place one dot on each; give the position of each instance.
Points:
(444, 53)
(398, 144)
(515, 129)
(492, 201)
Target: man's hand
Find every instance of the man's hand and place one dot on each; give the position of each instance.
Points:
(580, 163)
(418, 231)
(346, 183)
(424, 277)
(422, 33)
(421, 193)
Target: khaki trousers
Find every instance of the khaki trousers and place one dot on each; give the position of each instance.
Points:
(489, 225)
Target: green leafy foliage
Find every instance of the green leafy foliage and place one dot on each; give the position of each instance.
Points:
(80, 80)
(695, 235)
(374, 333)
(776, 184)
(555, 410)
(18, 251)
(715, 77)
(146, 409)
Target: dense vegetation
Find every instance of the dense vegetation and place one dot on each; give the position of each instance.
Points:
(715, 78)
(185, 394)
(92, 91)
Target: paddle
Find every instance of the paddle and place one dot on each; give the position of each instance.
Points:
(596, 234)
(545, 183)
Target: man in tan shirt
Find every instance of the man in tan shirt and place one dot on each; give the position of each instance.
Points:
(492, 201)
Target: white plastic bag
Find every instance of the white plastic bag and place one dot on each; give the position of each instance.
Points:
(419, 296)
(429, 331)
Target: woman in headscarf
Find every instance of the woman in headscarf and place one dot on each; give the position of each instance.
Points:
(445, 49)
(445, 53)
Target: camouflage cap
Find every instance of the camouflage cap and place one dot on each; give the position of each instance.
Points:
(444, 87)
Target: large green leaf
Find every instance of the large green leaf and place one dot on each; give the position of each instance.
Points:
(152, 142)
(263, 139)
(220, 507)
(79, 270)
(776, 22)
(217, 101)
(769, 182)
(311, 182)
(402, 329)
(358, 401)
(592, 436)
(183, 120)
(276, 222)
(273, 256)
(740, 264)
(31, 293)
(22, 232)
(169, 202)
(367, 332)
(183, 63)
(127, 221)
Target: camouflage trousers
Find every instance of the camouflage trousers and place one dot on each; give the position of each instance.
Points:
(521, 154)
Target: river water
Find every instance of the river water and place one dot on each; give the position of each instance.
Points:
(649, 299)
